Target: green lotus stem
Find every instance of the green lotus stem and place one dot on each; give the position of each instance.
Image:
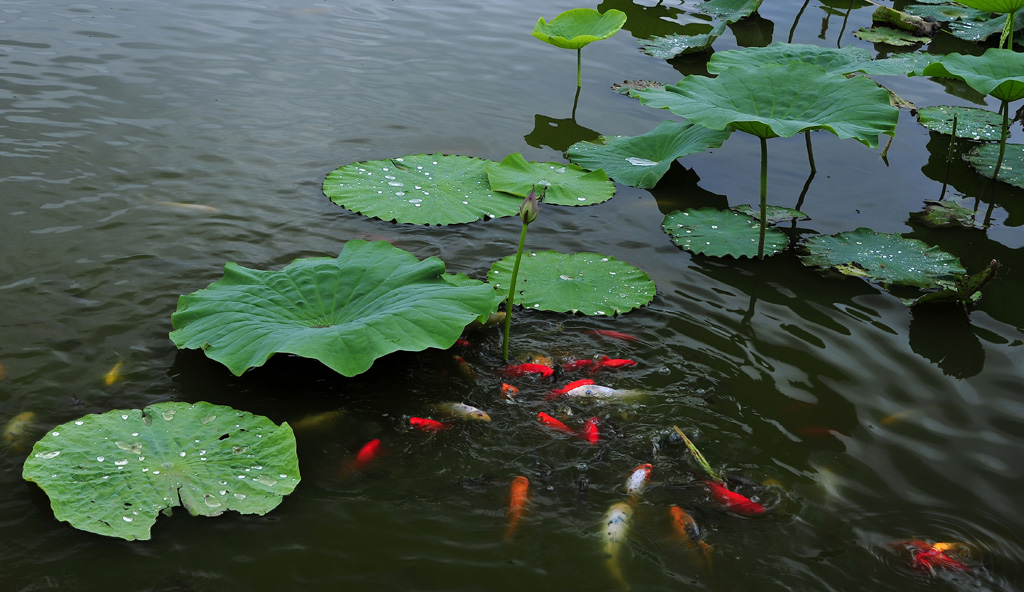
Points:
(949, 158)
(512, 291)
(1002, 139)
(810, 151)
(700, 457)
(764, 196)
(579, 66)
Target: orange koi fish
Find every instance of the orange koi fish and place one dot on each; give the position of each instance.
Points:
(523, 369)
(508, 391)
(517, 501)
(558, 392)
(576, 365)
(553, 423)
(606, 362)
(464, 368)
(689, 533)
(733, 501)
(367, 453)
(638, 478)
(114, 374)
(931, 556)
(590, 432)
(427, 425)
(613, 334)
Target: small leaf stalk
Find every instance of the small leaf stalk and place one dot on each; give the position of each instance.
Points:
(528, 213)
(579, 67)
(699, 457)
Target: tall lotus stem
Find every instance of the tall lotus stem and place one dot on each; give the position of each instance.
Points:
(810, 151)
(1002, 139)
(528, 213)
(579, 66)
(764, 196)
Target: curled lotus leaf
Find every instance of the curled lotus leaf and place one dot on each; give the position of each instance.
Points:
(113, 473)
(577, 28)
(997, 72)
(561, 184)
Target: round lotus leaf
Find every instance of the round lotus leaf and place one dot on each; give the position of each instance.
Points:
(884, 258)
(590, 283)
(576, 28)
(997, 72)
(419, 189)
(971, 123)
(729, 11)
(890, 36)
(562, 184)
(641, 161)
(781, 100)
(774, 215)
(839, 61)
(370, 301)
(721, 233)
(1002, 6)
(112, 473)
(983, 159)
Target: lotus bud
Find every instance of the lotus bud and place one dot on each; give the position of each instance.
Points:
(528, 211)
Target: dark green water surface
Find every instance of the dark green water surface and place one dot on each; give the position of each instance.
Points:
(875, 423)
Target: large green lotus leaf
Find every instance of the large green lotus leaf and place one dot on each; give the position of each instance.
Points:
(947, 12)
(640, 161)
(1003, 6)
(884, 258)
(112, 473)
(721, 233)
(729, 11)
(979, 31)
(997, 72)
(983, 159)
(419, 189)
(971, 123)
(576, 28)
(890, 36)
(805, 97)
(846, 60)
(590, 283)
(562, 184)
(370, 301)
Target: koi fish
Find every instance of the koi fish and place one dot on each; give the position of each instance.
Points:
(733, 501)
(463, 343)
(114, 374)
(603, 392)
(523, 369)
(317, 420)
(367, 453)
(508, 391)
(17, 431)
(188, 207)
(517, 501)
(2, 372)
(638, 478)
(576, 365)
(558, 392)
(590, 432)
(465, 368)
(463, 411)
(616, 527)
(931, 556)
(613, 334)
(427, 425)
(553, 423)
(606, 362)
(689, 533)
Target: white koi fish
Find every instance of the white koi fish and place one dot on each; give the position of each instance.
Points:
(602, 392)
(463, 411)
(616, 526)
(637, 480)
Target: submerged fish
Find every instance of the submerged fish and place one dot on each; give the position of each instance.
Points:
(689, 533)
(925, 556)
(553, 423)
(590, 431)
(114, 374)
(366, 454)
(523, 369)
(18, 430)
(555, 393)
(613, 334)
(463, 411)
(427, 425)
(508, 391)
(734, 502)
(616, 527)
(638, 478)
(188, 207)
(602, 392)
(517, 501)
(317, 421)
(576, 365)
(465, 368)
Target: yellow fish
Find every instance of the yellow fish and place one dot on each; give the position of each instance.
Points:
(317, 420)
(114, 375)
(16, 432)
(616, 527)
(188, 207)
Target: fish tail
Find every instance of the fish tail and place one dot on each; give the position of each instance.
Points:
(615, 569)
(706, 551)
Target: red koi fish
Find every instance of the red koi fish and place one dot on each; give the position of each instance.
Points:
(689, 533)
(638, 478)
(607, 362)
(517, 501)
(590, 432)
(613, 334)
(558, 392)
(929, 557)
(367, 453)
(733, 501)
(508, 391)
(463, 343)
(427, 425)
(553, 423)
(576, 365)
(522, 369)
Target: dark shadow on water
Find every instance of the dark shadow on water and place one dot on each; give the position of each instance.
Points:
(558, 134)
(943, 335)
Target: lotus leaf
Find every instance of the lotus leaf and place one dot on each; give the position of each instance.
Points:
(372, 300)
(640, 161)
(669, 46)
(965, 289)
(979, 31)
(590, 283)
(884, 258)
(983, 159)
(774, 215)
(112, 473)
(997, 72)
(577, 28)
(889, 36)
(627, 86)
(947, 12)
(839, 61)
(562, 184)
(1001, 6)
(971, 123)
(946, 214)
(419, 189)
(806, 97)
(729, 11)
(721, 233)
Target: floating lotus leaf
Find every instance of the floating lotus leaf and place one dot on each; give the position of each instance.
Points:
(576, 28)
(947, 12)
(111, 474)
(965, 289)
(805, 97)
(590, 283)
(997, 72)
(419, 189)
(669, 46)
(627, 86)
(729, 11)
(983, 159)
(884, 258)
(721, 233)
(640, 161)
(979, 31)
(889, 36)
(563, 184)
(1002, 6)
(372, 300)
(839, 61)
(946, 214)
(775, 214)
(971, 123)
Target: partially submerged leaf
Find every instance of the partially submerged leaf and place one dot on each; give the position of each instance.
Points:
(669, 46)
(971, 123)
(721, 233)
(884, 258)
(576, 28)
(997, 72)
(640, 161)
(946, 214)
(419, 189)
(775, 214)
(111, 474)
(626, 86)
(889, 36)
(845, 60)
(965, 290)
(370, 301)
(983, 159)
(947, 12)
(561, 184)
(589, 283)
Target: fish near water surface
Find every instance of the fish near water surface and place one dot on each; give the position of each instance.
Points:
(734, 502)
(114, 374)
(517, 501)
(689, 534)
(427, 425)
(606, 362)
(553, 423)
(524, 369)
(17, 433)
(602, 392)
(590, 431)
(638, 478)
(615, 529)
(558, 392)
(463, 411)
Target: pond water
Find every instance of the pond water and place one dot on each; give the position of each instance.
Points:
(871, 422)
